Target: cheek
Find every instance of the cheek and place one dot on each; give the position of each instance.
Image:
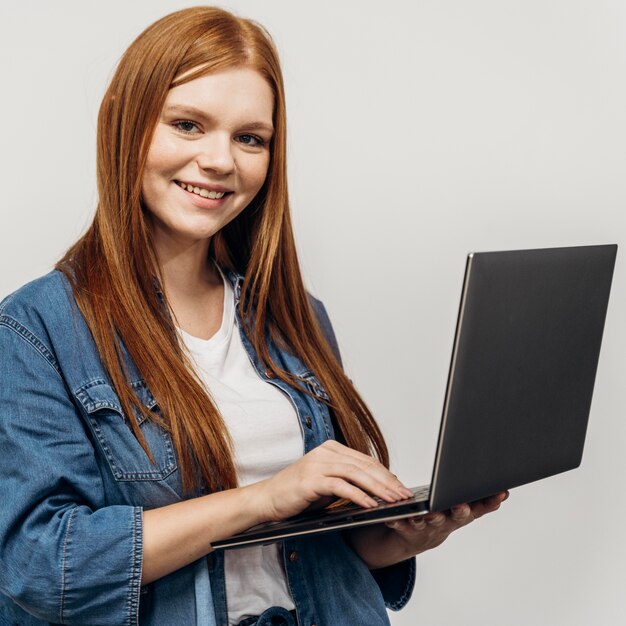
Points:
(163, 156)
(257, 173)
(160, 166)
(150, 186)
(154, 175)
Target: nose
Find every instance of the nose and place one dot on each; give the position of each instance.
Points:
(216, 154)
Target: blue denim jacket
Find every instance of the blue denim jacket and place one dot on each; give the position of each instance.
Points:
(74, 482)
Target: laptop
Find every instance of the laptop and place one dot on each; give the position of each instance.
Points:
(519, 389)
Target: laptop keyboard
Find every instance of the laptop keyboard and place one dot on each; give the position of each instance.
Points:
(419, 494)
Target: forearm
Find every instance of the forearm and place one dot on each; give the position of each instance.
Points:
(178, 534)
(377, 545)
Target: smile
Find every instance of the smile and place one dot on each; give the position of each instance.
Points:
(201, 191)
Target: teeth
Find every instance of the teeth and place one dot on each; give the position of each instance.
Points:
(205, 193)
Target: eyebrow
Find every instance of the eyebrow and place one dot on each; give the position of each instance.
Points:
(199, 113)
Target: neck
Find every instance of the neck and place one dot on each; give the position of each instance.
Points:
(185, 266)
(192, 284)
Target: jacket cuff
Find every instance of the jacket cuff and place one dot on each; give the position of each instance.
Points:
(396, 583)
(108, 544)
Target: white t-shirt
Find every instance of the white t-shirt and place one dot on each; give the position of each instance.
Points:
(267, 437)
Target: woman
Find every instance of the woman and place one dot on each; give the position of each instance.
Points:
(137, 425)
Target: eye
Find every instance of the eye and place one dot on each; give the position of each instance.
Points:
(251, 140)
(185, 126)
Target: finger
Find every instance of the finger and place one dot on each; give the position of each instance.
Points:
(461, 514)
(417, 523)
(488, 505)
(335, 486)
(369, 482)
(368, 464)
(498, 498)
(495, 501)
(407, 525)
(377, 470)
(436, 519)
(397, 524)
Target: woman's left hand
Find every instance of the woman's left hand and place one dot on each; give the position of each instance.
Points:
(392, 542)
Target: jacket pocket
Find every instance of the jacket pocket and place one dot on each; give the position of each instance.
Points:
(125, 456)
(314, 386)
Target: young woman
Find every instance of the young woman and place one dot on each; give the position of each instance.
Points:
(172, 383)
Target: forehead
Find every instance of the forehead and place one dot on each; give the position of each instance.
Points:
(232, 94)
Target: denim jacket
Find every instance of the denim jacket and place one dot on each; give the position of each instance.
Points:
(74, 482)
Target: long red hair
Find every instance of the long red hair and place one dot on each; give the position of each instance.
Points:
(113, 266)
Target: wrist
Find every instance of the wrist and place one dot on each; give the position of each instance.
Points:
(257, 502)
(377, 546)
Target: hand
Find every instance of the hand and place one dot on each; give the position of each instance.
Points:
(431, 530)
(385, 544)
(330, 470)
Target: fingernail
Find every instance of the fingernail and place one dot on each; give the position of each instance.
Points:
(407, 492)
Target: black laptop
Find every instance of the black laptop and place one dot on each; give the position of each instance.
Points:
(519, 389)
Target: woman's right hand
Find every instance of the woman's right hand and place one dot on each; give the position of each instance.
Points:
(178, 534)
(331, 470)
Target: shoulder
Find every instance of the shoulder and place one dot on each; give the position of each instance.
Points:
(39, 308)
(45, 294)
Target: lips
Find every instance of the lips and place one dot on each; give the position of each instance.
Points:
(212, 192)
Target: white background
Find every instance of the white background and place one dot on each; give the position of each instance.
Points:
(419, 131)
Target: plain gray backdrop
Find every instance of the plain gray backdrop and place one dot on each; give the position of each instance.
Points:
(418, 131)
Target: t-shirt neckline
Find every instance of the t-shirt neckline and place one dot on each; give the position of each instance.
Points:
(223, 334)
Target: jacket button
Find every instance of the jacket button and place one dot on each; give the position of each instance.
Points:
(308, 421)
(293, 556)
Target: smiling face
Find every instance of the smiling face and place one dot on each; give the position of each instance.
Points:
(209, 155)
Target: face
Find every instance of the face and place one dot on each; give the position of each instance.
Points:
(209, 154)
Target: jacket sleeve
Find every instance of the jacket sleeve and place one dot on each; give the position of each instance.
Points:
(397, 581)
(66, 556)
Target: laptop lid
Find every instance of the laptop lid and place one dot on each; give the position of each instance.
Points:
(523, 369)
